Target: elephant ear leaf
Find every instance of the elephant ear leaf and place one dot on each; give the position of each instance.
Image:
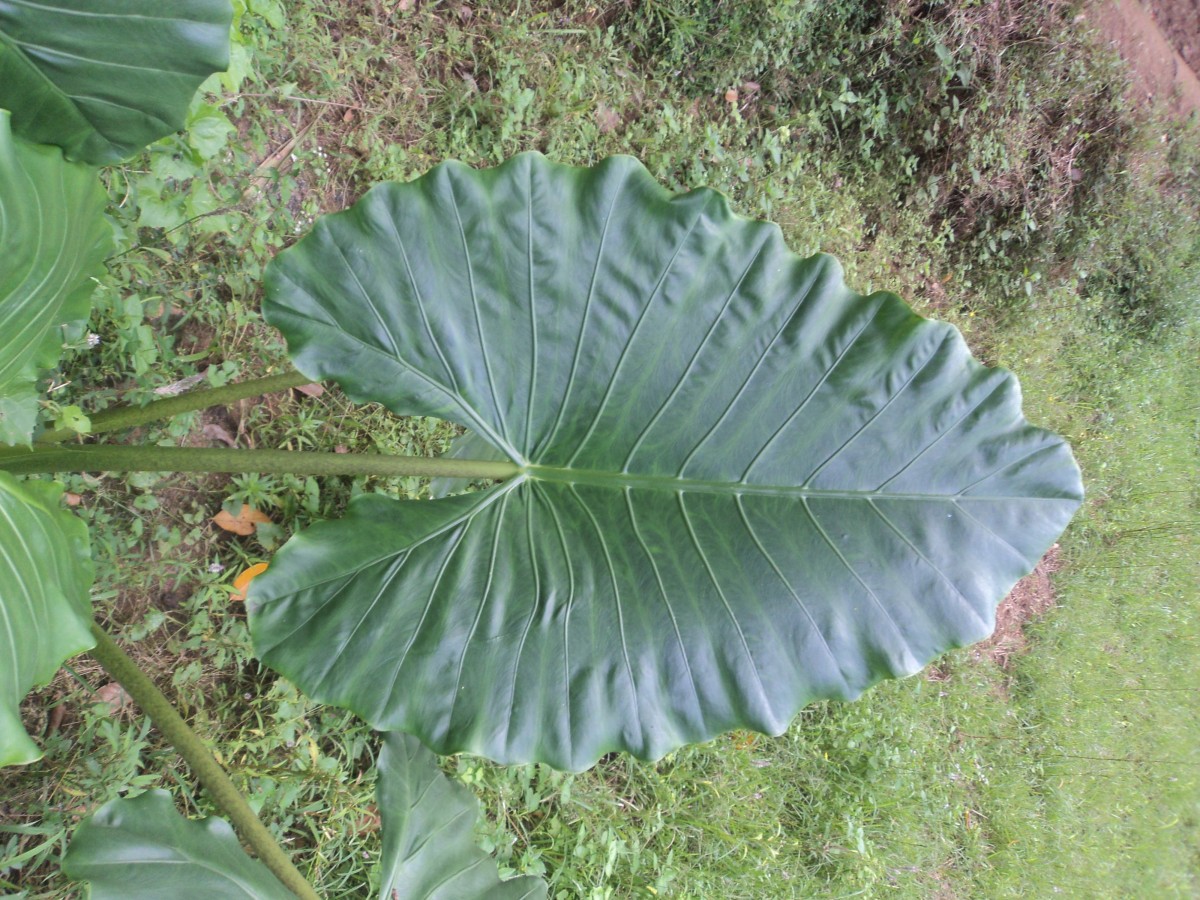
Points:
(55, 238)
(104, 78)
(742, 486)
(142, 849)
(429, 850)
(45, 612)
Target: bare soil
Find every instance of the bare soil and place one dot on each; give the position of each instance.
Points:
(1160, 40)
(1031, 598)
(1180, 22)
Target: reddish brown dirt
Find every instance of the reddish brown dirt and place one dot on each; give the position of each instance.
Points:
(1160, 40)
(1180, 22)
(1156, 38)
(1032, 597)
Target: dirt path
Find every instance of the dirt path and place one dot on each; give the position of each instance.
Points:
(1161, 42)
(1180, 22)
(1157, 40)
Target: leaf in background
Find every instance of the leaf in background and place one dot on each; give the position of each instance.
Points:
(429, 850)
(208, 130)
(243, 523)
(104, 78)
(55, 238)
(18, 411)
(45, 611)
(115, 697)
(142, 849)
(744, 486)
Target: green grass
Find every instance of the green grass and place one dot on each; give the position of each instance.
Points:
(1075, 771)
(1109, 690)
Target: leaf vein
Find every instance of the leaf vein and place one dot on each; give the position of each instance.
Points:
(725, 601)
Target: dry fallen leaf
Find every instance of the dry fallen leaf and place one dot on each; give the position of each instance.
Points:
(178, 387)
(242, 583)
(368, 822)
(72, 499)
(243, 523)
(215, 432)
(311, 390)
(114, 695)
(55, 716)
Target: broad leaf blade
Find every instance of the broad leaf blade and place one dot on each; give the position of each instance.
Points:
(54, 236)
(429, 850)
(745, 486)
(142, 849)
(45, 612)
(104, 78)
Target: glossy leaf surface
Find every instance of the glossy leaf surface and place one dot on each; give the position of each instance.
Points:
(54, 236)
(429, 850)
(142, 849)
(104, 78)
(45, 611)
(744, 486)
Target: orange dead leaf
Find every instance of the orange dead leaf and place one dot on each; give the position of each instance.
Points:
(72, 499)
(311, 390)
(242, 583)
(243, 522)
(114, 695)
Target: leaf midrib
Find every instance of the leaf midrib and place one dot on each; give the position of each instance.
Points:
(672, 484)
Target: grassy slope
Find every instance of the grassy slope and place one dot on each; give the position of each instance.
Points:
(1108, 691)
(1076, 771)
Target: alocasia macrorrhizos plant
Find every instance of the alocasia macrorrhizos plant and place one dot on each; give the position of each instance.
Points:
(96, 81)
(54, 238)
(45, 614)
(104, 78)
(135, 849)
(728, 485)
(735, 485)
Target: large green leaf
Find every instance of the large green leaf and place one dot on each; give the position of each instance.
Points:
(142, 849)
(743, 486)
(104, 78)
(45, 611)
(429, 850)
(54, 239)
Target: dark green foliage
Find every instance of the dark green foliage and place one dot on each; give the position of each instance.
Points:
(990, 118)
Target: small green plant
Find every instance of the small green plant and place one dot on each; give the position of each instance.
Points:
(721, 485)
